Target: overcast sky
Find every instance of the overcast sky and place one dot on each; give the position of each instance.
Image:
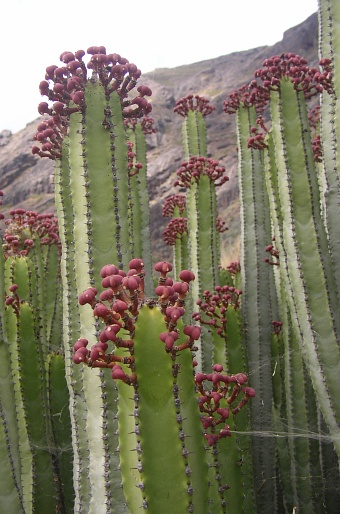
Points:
(152, 34)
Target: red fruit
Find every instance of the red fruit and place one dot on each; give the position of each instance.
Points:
(118, 373)
(81, 343)
(217, 367)
(249, 391)
(101, 311)
(223, 412)
(186, 276)
(192, 331)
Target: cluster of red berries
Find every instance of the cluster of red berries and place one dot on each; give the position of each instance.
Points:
(24, 227)
(288, 65)
(216, 399)
(175, 230)
(146, 123)
(306, 79)
(214, 305)
(221, 225)
(118, 307)
(248, 96)
(133, 166)
(171, 203)
(193, 103)
(192, 170)
(64, 87)
(234, 268)
(275, 261)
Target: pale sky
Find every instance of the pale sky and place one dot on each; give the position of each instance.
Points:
(148, 33)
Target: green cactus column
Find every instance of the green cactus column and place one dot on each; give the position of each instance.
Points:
(329, 51)
(258, 296)
(319, 334)
(306, 278)
(200, 175)
(176, 232)
(220, 312)
(139, 212)
(34, 450)
(85, 134)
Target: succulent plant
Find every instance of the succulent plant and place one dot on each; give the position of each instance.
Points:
(123, 392)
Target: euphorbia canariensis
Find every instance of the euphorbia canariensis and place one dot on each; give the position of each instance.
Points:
(294, 185)
(149, 406)
(145, 344)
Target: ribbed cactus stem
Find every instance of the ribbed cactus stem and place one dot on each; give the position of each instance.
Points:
(71, 329)
(12, 497)
(256, 298)
(87, 134)
(61, 429)
(194, 108)
(176, 232)
(329, 19)
(136, 133)
(314, 271)
(220, 310)
(200, 176)
(31, 391)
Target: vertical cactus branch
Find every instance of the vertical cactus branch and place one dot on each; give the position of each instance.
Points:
(86, 131)
(315, 270)
(29, 241)
(176, 232)
(255, 273)
(329, 19)
(306, 266)
(200, 176)
(136, 133)
(194, 108)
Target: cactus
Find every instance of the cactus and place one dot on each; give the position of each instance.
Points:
(163, 410)
(299, 192)
(155, 378)
(94, 135)
(34, 396)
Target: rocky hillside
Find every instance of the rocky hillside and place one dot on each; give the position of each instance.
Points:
(27, 181)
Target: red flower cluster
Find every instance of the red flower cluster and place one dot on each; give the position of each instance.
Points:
(288, 65)
(171, 203)
(118, 307)
(214, 307)
(193, 103)
(294, 67)
(193, 169)
(249, 96)
(64, 87)
(220, 225)
(175, 230)
(146, 123)
(234, 267)
(216, 399)
(275, 261)
(133, 167)
(25, 227)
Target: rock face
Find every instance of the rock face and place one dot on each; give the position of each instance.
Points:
(27, 180)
